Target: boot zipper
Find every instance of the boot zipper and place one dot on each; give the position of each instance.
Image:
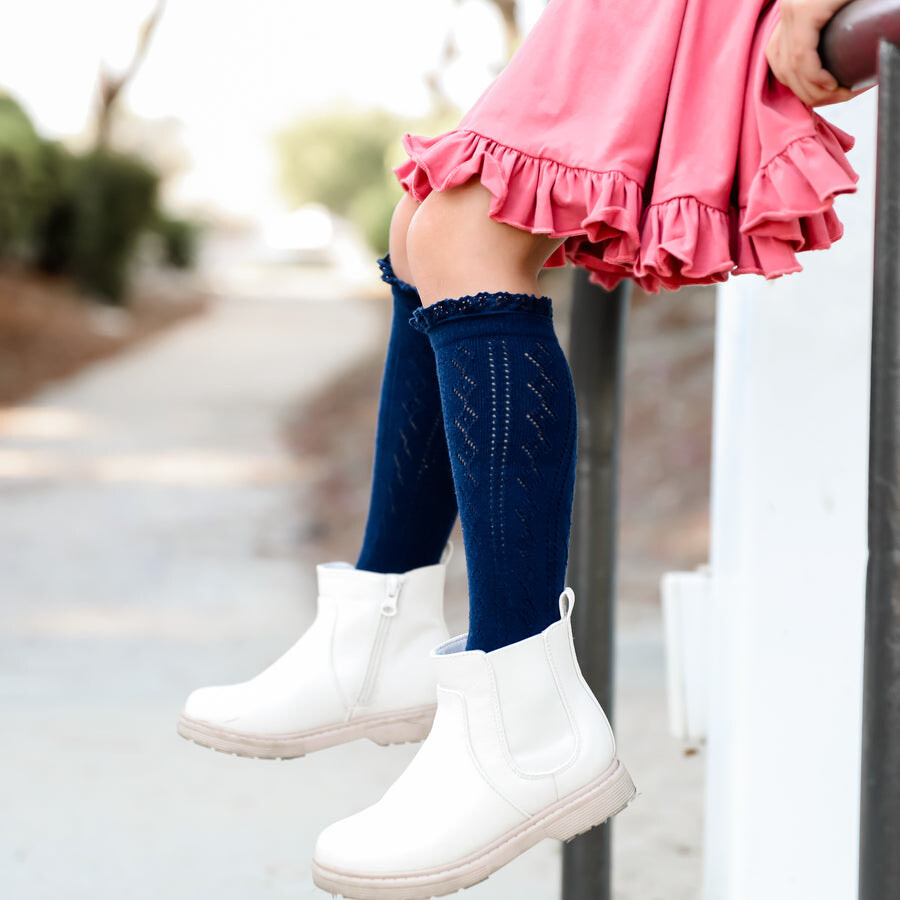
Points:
(388, 611)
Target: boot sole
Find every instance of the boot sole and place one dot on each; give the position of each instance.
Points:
(400, 727)
(567, 818)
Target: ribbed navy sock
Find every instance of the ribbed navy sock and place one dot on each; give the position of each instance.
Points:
(413, 505)
(509, 413)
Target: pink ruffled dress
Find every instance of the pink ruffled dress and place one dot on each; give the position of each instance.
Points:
(652, 136)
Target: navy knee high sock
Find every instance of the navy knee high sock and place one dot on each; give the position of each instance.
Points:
(413, 506)
(509, 414)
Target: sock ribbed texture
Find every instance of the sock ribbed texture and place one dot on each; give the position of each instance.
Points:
(413, 505)
(509, 413)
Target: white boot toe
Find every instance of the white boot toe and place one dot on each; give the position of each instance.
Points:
(218, 705)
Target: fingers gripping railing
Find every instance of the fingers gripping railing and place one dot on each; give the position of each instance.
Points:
(860, 45)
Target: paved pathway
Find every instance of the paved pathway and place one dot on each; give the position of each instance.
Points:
(147, 546)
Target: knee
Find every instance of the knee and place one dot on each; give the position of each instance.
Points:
(454, 247)
(433, 237)
(402, 216)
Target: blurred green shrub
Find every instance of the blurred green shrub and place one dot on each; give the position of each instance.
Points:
(80, 214)
(22, 186)
(101, 203)
(115, 201)
(56, 225)
(343, 158)
(179, 239)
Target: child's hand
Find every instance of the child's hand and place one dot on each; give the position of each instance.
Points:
(793, 55)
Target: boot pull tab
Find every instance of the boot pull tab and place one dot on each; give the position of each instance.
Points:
(566, 602)
(447, 555)
(389, 604)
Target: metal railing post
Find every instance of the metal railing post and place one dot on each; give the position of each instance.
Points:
(596, 355)
(880, 788)
(861, 42)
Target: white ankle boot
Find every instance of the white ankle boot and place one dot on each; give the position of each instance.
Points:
(520, 750)
(362, 669)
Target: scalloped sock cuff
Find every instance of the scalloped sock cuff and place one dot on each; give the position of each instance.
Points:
(412, 507)
(509, 413)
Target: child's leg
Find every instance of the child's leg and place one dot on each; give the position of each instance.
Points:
(362, 669)
(509, 408)
(413, 506)
(520, 749)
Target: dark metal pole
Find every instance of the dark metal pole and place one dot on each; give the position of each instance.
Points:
(879, 861)
(596, 353)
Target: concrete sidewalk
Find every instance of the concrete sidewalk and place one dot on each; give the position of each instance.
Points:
(148, 545)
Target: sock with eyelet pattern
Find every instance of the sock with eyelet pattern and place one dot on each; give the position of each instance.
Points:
(510, 419)
(412, 507)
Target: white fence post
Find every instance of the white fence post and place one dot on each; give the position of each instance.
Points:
(787, 560)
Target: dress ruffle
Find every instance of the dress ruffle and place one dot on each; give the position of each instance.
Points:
(790, 207)
(540, 195)
(683, 241)
(682, 161)
(664, 245)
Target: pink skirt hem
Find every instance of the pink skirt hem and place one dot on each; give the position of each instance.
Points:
(607, 228)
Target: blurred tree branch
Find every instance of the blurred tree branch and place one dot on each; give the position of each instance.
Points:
(441, 103)
(112, 85)
(508, 10)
